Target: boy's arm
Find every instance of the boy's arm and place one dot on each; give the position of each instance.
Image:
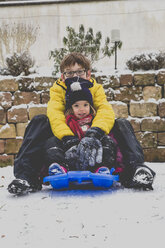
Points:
(105, 116)
(55, 112)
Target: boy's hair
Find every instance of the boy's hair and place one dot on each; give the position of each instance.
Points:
(70, 111)
(73, 58)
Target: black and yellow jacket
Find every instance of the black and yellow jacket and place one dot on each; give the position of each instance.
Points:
(104, 118)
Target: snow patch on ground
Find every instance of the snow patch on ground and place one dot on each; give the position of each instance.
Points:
(76, 218)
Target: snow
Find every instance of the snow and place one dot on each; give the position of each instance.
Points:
(33, 105)
(76, 218)
(20, 106)
(19, 137)
(118, 103)
(161, 100)
(143, 101)
(4, 127)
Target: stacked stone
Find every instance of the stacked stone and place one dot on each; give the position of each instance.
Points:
(20, 100)
(139, 97)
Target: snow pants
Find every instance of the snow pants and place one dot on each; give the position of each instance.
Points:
(132, 152)
(31, 160)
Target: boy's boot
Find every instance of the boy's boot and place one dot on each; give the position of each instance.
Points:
(138, 176)
(143, 178)
(20, 186)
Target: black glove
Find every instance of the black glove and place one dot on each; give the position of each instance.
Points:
(70, 148)
(71, 157)
(69, 141)
(53, 151)
(94, 132)
(90, 149)
(109, 151)
(89, 152)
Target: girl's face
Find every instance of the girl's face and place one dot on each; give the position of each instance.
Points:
(81, 109)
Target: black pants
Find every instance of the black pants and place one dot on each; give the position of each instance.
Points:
(30, 159)
(131, 149)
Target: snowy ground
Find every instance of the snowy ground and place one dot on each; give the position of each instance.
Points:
(85, 219)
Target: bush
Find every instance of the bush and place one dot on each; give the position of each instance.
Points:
(147, 61)
(85, 43)
(16, 37)
(18, 64)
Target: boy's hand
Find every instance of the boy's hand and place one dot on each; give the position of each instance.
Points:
(95, 132)
(109, 151)
(70, 148)
(89, 152)
(69, 141)
(71, 157)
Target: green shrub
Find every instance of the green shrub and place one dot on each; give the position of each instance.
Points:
(16, 37)
(19, 63)
(83, 42)
(147, 61)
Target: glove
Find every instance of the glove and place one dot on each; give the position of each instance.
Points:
(69, 141)
(54, 154)
(95, 132)
(109, 151)
(53, 151)
(89, 152)
(70, 148)
(90, 148)
(71, 157)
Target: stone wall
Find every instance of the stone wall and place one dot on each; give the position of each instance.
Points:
(139, 97)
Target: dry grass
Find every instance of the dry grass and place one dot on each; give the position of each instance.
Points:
(16, 38)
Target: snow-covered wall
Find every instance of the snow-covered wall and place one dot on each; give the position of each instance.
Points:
(139, 97)
(141, 25)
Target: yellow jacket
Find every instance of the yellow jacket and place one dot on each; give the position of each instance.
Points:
(104, 118)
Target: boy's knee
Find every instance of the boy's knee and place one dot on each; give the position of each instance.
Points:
(53, 142)
(121, 121)
(40, 118)
(124, 125)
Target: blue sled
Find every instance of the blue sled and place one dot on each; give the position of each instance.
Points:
(62, 181)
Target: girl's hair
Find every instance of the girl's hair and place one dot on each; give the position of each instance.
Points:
(70, 111)
(73, 58)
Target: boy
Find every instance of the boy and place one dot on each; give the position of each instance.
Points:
(30, 159)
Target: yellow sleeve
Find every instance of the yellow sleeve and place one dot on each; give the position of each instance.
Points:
(55, 112)
(105, 116)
